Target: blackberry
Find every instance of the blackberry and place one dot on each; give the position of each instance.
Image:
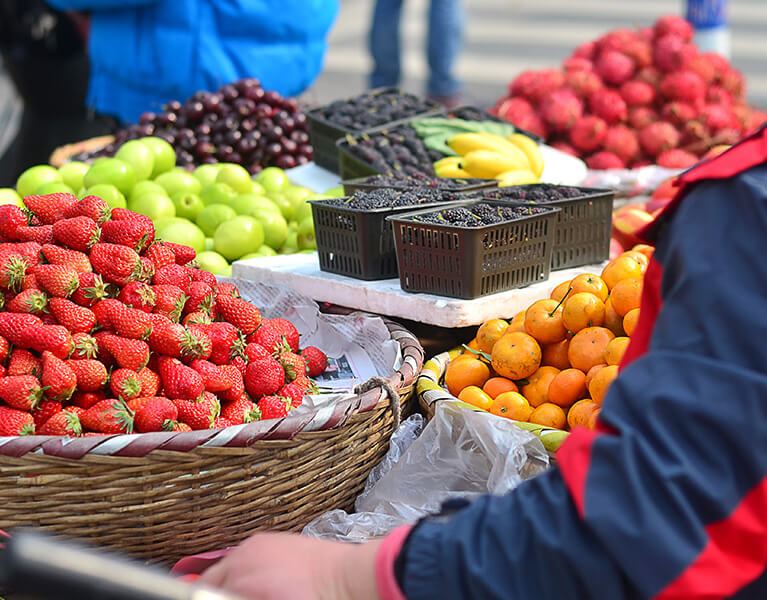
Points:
(370, 110)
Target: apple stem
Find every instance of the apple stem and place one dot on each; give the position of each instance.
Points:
(570, 289)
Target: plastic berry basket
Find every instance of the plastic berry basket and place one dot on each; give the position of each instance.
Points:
(357, 242)
(470, 262)
(584, 225)
(323, 134)
(456, 186)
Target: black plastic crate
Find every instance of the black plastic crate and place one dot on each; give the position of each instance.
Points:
(470, 262)
(584, 227)
(358, 242)
(457, 186)
(323, 134)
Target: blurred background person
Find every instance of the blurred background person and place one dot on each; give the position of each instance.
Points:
(443, 45)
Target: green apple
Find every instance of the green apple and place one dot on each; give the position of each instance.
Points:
(53, 187)
(291, 244)
(188, 205)
(108, 193)
(164, 155)
(236, 177)
(183, 233)
(218, 193)
(273, 180)
(245, 204)
(209, 243)
(9, 196)
(34, 177)
(206, 174)
(260, 253)
(212, 216)
(286, 206)
(212, 262)
(178, 181)
(305, 235)
(113, 171)
(238, 236)
(142, 187)
(303, 210)
(257, 189)
(297, 194)
(275, 228)
(335, 192)
(138, 155)
(153, 205)
(73, 173)
(163, 222)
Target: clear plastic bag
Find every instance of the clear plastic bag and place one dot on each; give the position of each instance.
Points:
(630, 182)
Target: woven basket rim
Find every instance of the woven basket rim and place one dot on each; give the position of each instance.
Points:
(239, 436)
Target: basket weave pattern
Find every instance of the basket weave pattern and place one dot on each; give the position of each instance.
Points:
(161, 496)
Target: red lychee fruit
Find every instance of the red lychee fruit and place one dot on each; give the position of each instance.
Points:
(641, 116)
(672, 53)
(637, 93)
(623, 142)
(604, 160)
(614, 67)
(683, 85)
(561, 109)
(609, 105)
(673, 25)
(583, 83)
(676, 159)
(588, 133)
(657, 137)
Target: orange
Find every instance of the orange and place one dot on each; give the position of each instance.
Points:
(556, 354)
(623, 267)
(543, 320)
(542, 372)
(613, 321)
(476, 397)
(516, 355)
(559, 292)
(495, 386)
(512, 405)
(549, 415)
(637, 256)
(592, 424)
(489, 333)
(583, 310)
(537, 391)
(593, 371)
(464, 371)
(644, 249)
(587, 348)
(567, 386)
(626, 295)
(599, 385)
(580, 413)
(615, 350)
(517, 323)
(592, 283)
(630, 321)
(473, 344)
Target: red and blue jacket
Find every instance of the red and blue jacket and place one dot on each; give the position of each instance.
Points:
(667, 498)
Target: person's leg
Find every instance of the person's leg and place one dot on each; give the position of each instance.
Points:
(384, 43)
(445, 40)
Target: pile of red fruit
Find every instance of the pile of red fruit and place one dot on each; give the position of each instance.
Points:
(104, 330)
(633, 98)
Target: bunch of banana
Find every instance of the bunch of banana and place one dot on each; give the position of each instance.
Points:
(514, 160)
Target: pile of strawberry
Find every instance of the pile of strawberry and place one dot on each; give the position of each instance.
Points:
(105, 330)
(633, 98)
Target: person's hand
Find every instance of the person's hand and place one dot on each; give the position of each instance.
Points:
(284, 566)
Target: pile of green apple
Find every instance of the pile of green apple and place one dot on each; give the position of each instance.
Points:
(217, 209)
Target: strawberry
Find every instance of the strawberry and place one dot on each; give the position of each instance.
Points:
(201, 298)
(28, 301)
(125, 384)
(74, 317)
(227, 288)
(178, 426)
(108, 416)
(221, 423)
(56, 255)
(104, 310)
(196, 318)
(48, 319)
(21, 391)
(238, 312)
(79, 233)
(204, 276)
(255, 351)
(58, 377)
(174, 340)
(157, 414)
(173, 275)
(264, 377)
(23, 362)
(150, 381)
(127, 353)
(316, 361)
(115, 263)
(306, 384)
(240, 363)
(11, 219)
(125, 215)
(160, 254)
(235, 382)
(91, 374)
(214, 379)
(42, 234)
(15, 422)
(55, 339)
(295, 393)
(136, 404)
(137, 295)
(294, 364)
(241, 411)
(273, 407)
(92, 207)
(14, 326)
(183, 254)
(270, 334)
(178, 380)
(85, 346)
(199, 413)
(132, 233)
(30, 283)
(5, 349)
(13, 270)
(90, 289)
(147, 270)
(50, 207)
(227, 342)
(130, 322)
(169, 301)
(64, 422)
(57, 280)
(44, 411)
(87, 399)
(30, 251)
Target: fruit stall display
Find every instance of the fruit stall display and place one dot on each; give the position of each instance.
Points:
(548, 367)
(633, 98)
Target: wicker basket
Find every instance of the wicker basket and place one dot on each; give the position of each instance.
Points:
(64, 153)
(161, 496)
(430, 392)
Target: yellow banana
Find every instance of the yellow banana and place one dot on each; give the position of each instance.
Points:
(448, 161)
(486, 164)
(531, 150)
(518, 177)
(463, 143)
(451, 171)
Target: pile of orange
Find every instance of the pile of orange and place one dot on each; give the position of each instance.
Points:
(553, 363)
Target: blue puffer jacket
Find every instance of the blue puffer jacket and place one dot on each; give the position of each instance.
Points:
(147, 52)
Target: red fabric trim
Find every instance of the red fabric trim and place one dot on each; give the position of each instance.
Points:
(386, 582)
(649, 307)
(736, 553)
(574, 457)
